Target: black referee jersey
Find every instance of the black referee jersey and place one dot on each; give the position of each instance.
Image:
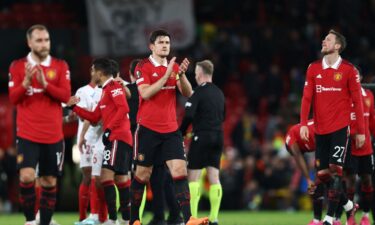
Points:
(205, 109)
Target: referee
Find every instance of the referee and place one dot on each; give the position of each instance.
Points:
(206, 111)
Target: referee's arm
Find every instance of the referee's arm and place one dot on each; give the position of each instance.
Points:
(190, 109)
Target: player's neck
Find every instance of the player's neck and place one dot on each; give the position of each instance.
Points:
(330, 59)
(159, 59)
(36, 58)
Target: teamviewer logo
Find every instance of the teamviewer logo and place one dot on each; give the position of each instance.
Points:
(318, 88)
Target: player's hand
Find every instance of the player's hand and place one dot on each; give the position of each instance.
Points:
(359, 140)
(73, 100)
(311, 187)
(40, 76)
(29, 71)
(304, 132)
(183, 66)
(105, 138)
(170, 67)
(81, 145)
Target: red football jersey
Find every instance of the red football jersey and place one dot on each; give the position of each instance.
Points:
(368, 108)
(159, 112)
(332, 90)
(113, 109)
(293, 136)
(39, 111)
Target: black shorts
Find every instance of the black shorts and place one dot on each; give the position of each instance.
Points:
(361, 165)
(331, 148)
(50, 157)
(117, 157)
(154, 148)
(205, 149)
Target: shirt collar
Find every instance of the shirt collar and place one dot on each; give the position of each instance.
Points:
(107, 81)
(46, 61)
(334, 66)
(156, 64)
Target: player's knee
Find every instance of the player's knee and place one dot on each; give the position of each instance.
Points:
(366, 180)
(27, 175)
(324, 176)
(335, 170)
(143, 173)
(48, 181)
(179, 171)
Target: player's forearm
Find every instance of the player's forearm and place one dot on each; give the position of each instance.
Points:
(93, 117)
(185, 86)
(302, 165)
(16, 94)
(85, 128)
(184, 125)
(305, 109)
(61, 94)
(147, 91)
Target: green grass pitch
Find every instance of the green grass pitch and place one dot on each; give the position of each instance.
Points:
(225, 218)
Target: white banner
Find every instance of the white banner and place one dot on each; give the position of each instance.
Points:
(122, 27)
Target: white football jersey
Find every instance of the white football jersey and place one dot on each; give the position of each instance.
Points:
(89, 98)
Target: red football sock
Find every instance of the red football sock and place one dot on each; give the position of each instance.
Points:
(83, 199)
(94, 200)
(38, 191)
(103, 212)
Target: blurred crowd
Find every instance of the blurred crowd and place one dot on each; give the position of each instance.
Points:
(261, 50)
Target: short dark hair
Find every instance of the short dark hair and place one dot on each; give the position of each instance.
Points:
(109, 67)
(35, 27)
(115, 67)
(340, 39)
(158, 33)
(133, 64)
(207, 67)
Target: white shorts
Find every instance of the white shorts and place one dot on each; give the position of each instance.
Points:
(97, 158)
(86, 156)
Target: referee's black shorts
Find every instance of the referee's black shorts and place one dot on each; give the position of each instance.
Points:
(205, 149)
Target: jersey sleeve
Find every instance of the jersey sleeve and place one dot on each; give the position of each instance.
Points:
(61, 91)
(16, 91)
(122, 108)
(355, 92)
(307, 97)
(93, 117)
(142, 74)
(190, 109)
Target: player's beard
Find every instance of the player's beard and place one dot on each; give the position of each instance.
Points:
(327, 51)
(42, 54)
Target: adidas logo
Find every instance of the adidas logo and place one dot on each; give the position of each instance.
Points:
(319, 76)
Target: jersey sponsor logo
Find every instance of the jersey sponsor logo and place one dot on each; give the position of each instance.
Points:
(51, 74)
(31, 91)
(337, 76)
(117, 92)
(140, 80)
(319, 76)
(320, 89)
